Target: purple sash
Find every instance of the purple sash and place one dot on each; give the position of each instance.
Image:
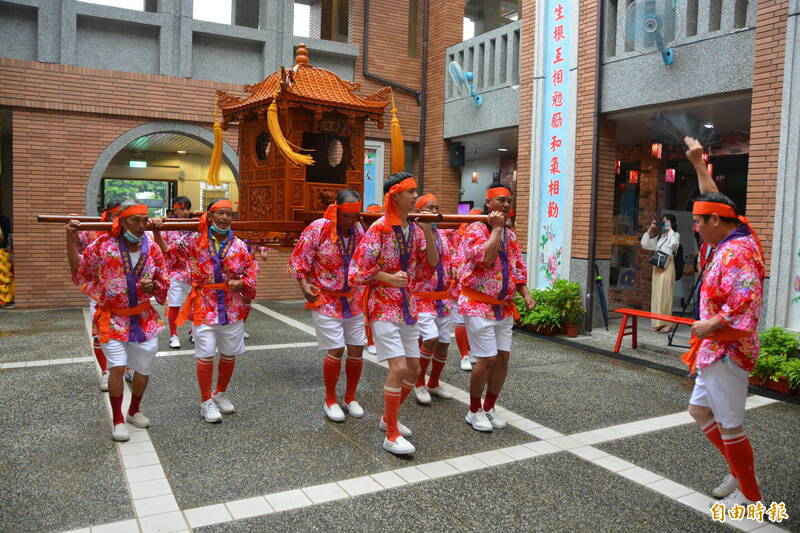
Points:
(217, 256)
(133, 274)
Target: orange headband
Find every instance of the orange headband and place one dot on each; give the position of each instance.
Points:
(332, 212)
(724, 210)
(203, 225)
(138, 209)
(113, 210)
(181, 205)
(425, 199)
(498, 191)
(390, 206)
(374, 209)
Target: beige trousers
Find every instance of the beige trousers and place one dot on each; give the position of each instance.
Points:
(661, 293)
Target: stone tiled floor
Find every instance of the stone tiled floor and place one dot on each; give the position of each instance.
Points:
(593, 444)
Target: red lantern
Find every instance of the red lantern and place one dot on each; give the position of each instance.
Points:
(633, 176)
(618, 167)
(669, 177)
(655, 150)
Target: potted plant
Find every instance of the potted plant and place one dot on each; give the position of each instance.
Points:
(790, 370)
(566, 297)
(767, 366)
(544, 319)
(572, 312)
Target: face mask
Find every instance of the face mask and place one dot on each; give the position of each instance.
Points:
(217, 229)
(131, 238)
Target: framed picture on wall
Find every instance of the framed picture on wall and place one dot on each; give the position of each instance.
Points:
(465, 207)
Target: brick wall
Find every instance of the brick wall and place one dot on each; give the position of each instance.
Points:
(765, 118)
(525, 130)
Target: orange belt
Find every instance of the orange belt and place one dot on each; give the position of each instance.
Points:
(102, 317)
(365, 297)
(433, 296)
(723, 335)
(472, 294)
(192, 303)
(331, 294)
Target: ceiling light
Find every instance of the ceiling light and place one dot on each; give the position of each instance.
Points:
(708, 125)
(502, 149)
(182, 152)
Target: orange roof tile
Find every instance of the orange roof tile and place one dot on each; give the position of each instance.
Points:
(304, 82)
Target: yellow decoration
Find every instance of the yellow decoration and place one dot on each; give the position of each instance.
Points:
(398, 153)
(216, 154)
(276, 136)
(6, 279)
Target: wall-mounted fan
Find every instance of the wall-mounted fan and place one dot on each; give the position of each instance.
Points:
(463, 81)
(650, 25)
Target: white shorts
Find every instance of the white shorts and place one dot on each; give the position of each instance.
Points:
(434, 327)
(487, 337)
(227, 339)
(178, 292)
(333, 333)
(722, 387)
(92, 307)
(136, 355)
(395, 340)
(455, 315)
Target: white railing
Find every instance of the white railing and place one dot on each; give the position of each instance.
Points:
(493, 58)
(697, 20)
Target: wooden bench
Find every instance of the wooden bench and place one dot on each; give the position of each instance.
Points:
(635, 314)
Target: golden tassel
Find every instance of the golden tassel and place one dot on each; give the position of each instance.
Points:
(276, 136)
(216, 154)
(398, 153)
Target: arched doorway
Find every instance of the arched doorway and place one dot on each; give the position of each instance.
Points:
(158, 161)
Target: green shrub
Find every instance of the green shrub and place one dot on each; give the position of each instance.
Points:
(768, 366)
(791, 369)
(778, 341)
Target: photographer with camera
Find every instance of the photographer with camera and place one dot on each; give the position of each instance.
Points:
(663, 240)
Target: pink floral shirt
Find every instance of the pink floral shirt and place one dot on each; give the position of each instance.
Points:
(177, 266)
(732, 289)
(390, 252)
(498, 281)
(85, 238)
(217, 263)
(327, 265)
(438, 278)
(111, 280)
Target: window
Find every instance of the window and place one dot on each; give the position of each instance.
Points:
(481, 17)
(302, 19)
(218, 11)
(137, 5)
(156, 194)
(209, 193)
(327, 19)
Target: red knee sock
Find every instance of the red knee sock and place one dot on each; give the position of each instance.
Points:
(352, 369)
(436, 370)
(205, 375)
(711, 431)
(391, 410)
(116, 409)
(462, 340)
(134, 407)
(740, 456)
(172, 318)
(370, 340)
(424, 361)
(99, 355)
(224, 373)
(331, 366)
(488, 402)
(474, 403)
(405, 389)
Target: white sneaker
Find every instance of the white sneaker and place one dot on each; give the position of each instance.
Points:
(104, 381)
(422, 395)
(734, 498)
(138, 420)
(371, 349)
(223, 403)
(354, 409)
(246, 335)
(404, 431)
(210, 412)
(473, 359)
(399, 447)
(497, 422)
(728, 485)
(129, 375)
(478, 421)
(440, 392)
(120, 433)
(466, 364)
(174, 342)
(333, 412)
